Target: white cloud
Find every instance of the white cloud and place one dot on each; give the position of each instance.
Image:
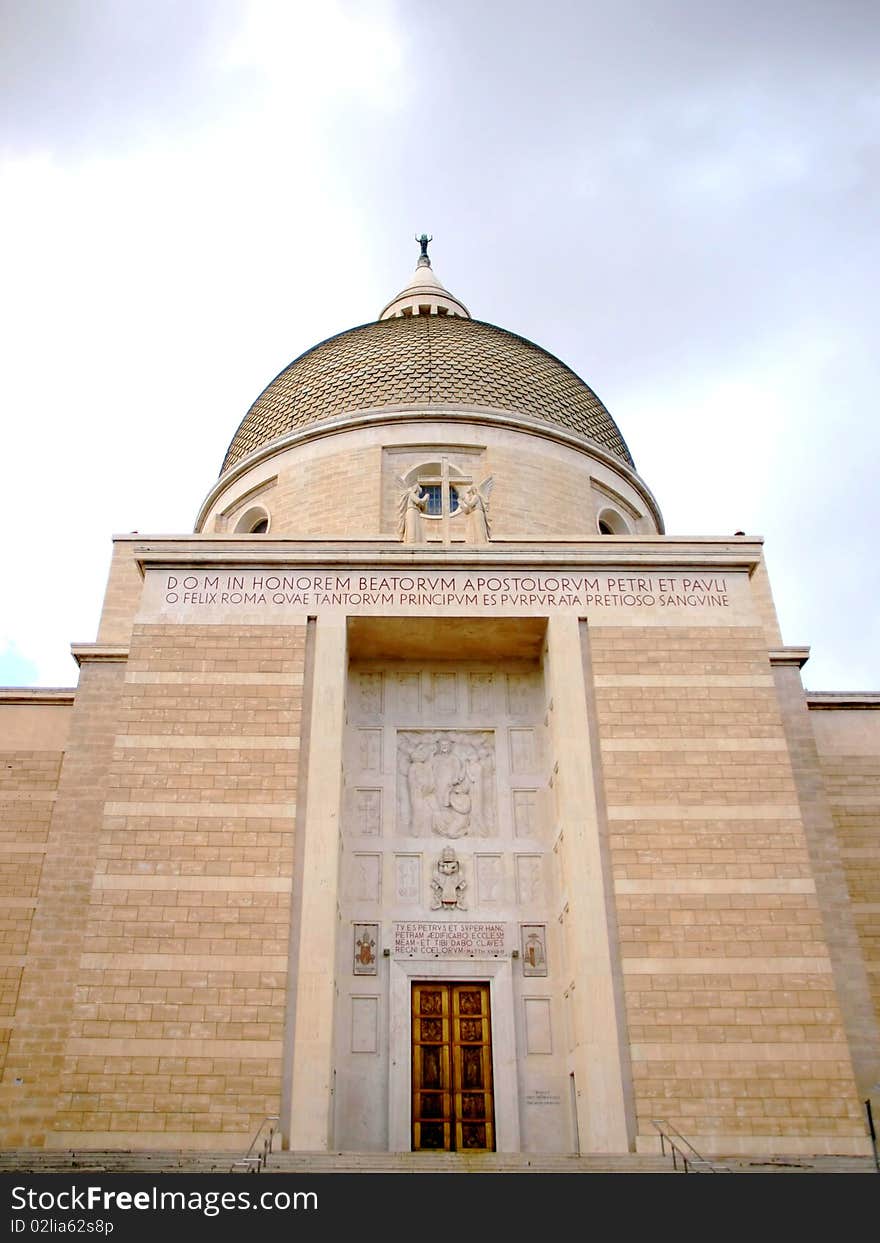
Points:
(678, 208)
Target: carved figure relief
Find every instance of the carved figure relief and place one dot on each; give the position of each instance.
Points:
(474, 504)
(448, 883)
(410, 507)
(446, 783)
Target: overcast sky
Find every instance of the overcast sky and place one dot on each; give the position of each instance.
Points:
(677, 199)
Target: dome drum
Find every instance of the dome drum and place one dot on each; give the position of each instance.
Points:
(343, 478)
(426, 375)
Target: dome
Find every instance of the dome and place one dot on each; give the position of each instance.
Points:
(425, 361)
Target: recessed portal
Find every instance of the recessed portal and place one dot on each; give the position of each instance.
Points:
(452, 1101)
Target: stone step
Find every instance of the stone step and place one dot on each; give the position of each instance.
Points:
(463, 1163)
(46, 1161)
(799, 1165)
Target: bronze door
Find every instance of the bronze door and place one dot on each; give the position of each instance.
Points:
(452, 1103)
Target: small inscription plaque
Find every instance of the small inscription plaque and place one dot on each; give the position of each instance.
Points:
(542, 1097)
(427, 939)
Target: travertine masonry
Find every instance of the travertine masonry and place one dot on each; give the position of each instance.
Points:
(734, 1026)
(847, 738)
(331, 496)
(180, 990)
(28, 780)
(346, 485)
(31, 1086)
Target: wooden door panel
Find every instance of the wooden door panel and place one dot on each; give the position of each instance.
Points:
(452, 1100)
(472, 1069)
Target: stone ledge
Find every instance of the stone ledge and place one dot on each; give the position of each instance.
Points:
(104, 653)
(824, 700)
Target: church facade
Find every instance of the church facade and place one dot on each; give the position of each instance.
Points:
(429, 796)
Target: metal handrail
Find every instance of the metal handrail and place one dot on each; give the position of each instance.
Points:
(255, 1163)
(683, 1150)
(873, 1133)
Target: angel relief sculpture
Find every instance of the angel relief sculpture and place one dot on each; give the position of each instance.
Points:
(446, 783)
(410, 507)
(474, 503)
(471, 501)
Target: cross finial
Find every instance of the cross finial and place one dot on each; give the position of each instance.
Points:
(424, 261)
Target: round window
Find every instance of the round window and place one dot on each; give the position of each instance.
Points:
(254, 521)
(610, 522)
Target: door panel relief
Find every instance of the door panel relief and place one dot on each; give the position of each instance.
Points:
(452, 1100)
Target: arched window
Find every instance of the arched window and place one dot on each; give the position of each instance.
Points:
(254, 521)
(611, 522)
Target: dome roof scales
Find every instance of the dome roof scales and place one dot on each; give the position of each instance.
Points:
(413, 357)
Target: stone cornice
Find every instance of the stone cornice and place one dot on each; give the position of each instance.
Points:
(824, 700)
(789, 656)
(648, 553)
(54, 696)
(105, 653)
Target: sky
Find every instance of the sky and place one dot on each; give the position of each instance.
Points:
(678, 198)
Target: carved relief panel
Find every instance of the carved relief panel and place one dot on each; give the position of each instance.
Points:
(365, 816)
(481, 690)
(407, 878)
(449, 883)
(529, 879)
(369, 700)
(365, 878)
(369, 754)
(489, 879)
(447, 824)
(525, 812)
(444, 693)
(520, 694)
(409, 697)
(446, 783)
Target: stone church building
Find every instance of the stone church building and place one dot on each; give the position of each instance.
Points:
(431, 797)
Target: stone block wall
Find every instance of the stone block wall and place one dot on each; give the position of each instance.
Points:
(736, 1035)
(331, 496)
(30, 1087)
(165, 910)
(544, 498)
(848, 742)
(28, 782)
